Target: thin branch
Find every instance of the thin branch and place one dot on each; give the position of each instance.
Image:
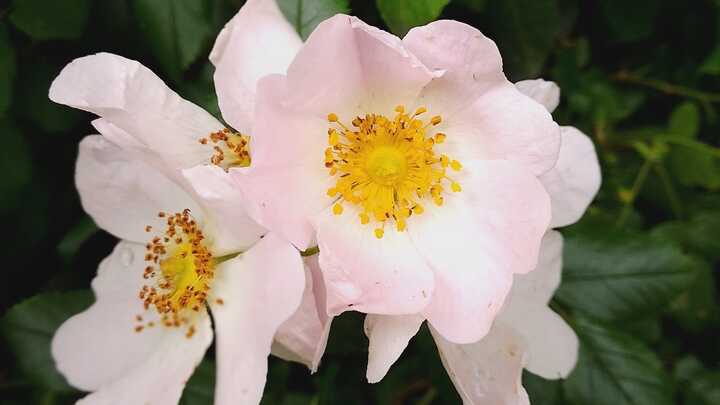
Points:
(667, 88)
(637, 186)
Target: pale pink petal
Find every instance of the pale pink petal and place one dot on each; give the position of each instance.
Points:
(260, 289)
(99, 349)
(348, 67)
(367, 274)
(488, 372)
(485, 116)
(555, 354)
(287, 181)
(475, 242)
(122, 193)
(575, 179)
(544, 92)
(389, 336)
(130, 96)
(550, 343)
(538, 286)
(258, 41)
(227, 224)
(502, 123)
(469, 61)
(303, 337)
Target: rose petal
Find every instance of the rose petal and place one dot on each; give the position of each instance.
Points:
(483, 113)
(227, 222)
(367, 274)
(544, 92)
(129, 95)
(502, 123)
(486, 372)
(575, 179)
(287, 181)
(526, 311)
(389, 336)
(348, 67)
(303, 337)
(550, 343)
(258, 41)
(260, 290)
(99, 349)
(476, 240)
(538, 286)
(122, 193)
(469, 61)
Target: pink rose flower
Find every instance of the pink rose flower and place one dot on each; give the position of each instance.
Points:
(413, 164)
(184, 250)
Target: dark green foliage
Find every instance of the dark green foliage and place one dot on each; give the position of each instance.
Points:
(305, 15)
(400, 16)
(44, 20)
(641, 78)
(29, 326)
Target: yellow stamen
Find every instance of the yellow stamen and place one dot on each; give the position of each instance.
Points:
(231, 149)
(181, 269)
(386, 167)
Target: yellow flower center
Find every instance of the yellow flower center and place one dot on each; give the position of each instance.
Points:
(388, 167)
(231, 149)
(181, 269)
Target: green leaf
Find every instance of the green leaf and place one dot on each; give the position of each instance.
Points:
(28, 328)
(7, 70)
(199, 390)
(201, 90)
(305, 15)
(474, 5)
(697, 235)
(177, 31)
(615, 369)
(630, 20)
(685, 120)
(603, 100)
(711, 65)
(691, 167)
(525, 31)
(400, 16)
(57, 19)
(612, 274)
(699, 385)
(540, 390)
(15, 164)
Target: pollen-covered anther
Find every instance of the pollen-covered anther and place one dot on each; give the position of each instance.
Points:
(230, 149)
(387, 167)
(180, 270)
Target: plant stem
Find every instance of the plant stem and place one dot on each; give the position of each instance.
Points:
(675, 203)
(667, 88)
(637, 186)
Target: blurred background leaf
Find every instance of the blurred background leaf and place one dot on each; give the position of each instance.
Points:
(7, 70)
(28, 328)
(177, 31)
(305, 15)
(43, 20)
(615, 368)
(401, 16)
